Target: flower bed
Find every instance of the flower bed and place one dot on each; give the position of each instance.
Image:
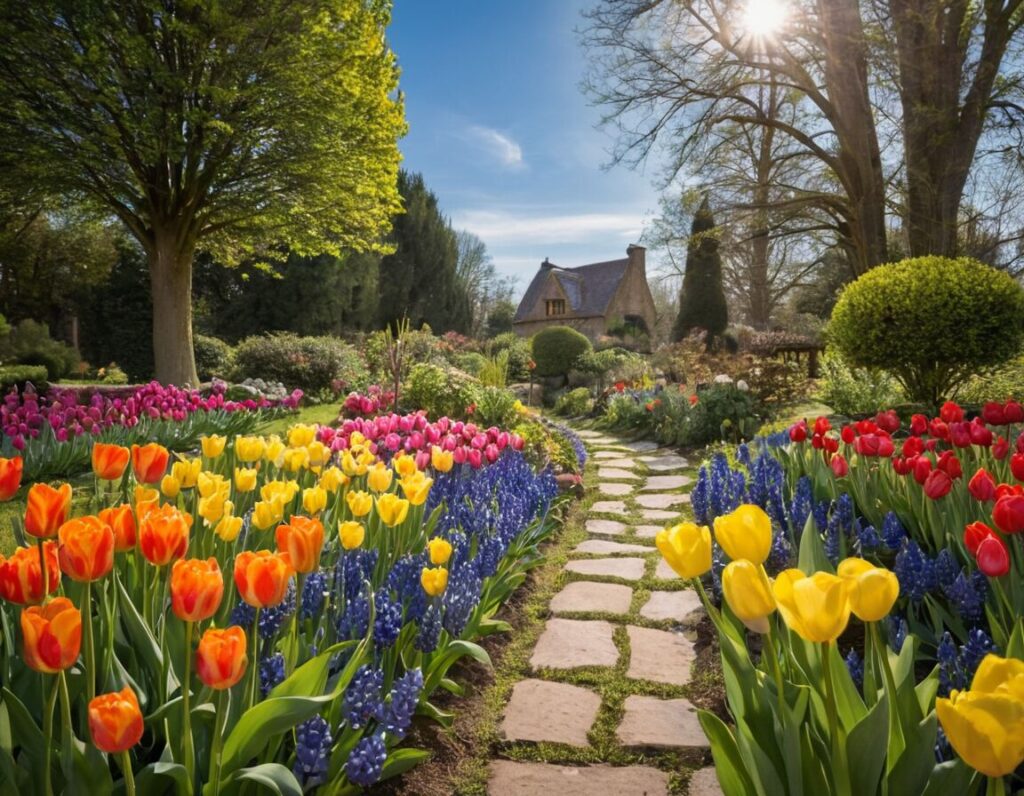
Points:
(915, 531)
(361, 575)
(54, 433)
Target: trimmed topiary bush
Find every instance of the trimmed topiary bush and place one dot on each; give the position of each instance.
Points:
(214, 357)
(309, 363)
(18, 375)
(31, 344)
(440, 392)
(556, 349)
(930, 321)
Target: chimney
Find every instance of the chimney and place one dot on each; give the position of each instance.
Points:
(637, 257)
(547, 263)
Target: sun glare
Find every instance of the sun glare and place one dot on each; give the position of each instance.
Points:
(764, 18)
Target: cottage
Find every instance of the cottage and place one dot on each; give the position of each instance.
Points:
(593, 299)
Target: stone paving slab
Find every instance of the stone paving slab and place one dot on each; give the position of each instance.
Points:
(659, 482)
(641, 445)
(615, 489)
(571, 643)
(652, 723)
(586, 433)
(648, 531)
(616, 474)
(625, 568)
(544, 711)
(704, 783)
(664, 572)
(676, 606)
(509, 778)
(606, 527)
(619, 461)
(604, 547)
(584, 595)
(661, 500)
(659, 515)
(607, 454)
(668, 461)
(659, 655)
(608, 507)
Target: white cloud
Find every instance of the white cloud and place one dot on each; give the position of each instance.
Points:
(498, 145)
(503, 227)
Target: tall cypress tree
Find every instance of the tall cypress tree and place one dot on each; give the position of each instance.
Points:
(702, 299)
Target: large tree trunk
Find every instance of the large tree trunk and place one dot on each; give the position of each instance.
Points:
(760, 289)
(852, 117)
(170, 270)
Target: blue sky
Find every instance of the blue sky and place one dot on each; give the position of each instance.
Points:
(504, 136)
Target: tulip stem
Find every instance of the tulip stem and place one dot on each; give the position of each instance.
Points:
(129, 777)
(87, 640)
(293, 651)
(882, 651)
(66, 732)
(43, 570)
(219, 720)
(49, 703)
(254, 661)
(995, 786)
(772, 653)
(186, 719)
(840, 772)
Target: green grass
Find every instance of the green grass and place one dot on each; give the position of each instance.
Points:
(324, 414)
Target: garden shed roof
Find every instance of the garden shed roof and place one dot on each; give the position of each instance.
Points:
(588, 288)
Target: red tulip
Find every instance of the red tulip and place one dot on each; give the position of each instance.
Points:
(798, 432)
(10, 477)
(848, 434)
(918, 425)
(938, 484)
(974, 535)
(821, 425)
(951, 412)
(1000, 448)
(950, 464)
(1008, 513)
(993, 557)
(994, 413)
(1017, 466)
(831, 444)
(982, 486)
(1014, 412)
(913, 446)
(922, 469)
(888, 421)
(938, 429)
(839, 466)
(902, 465)
(980, 433)
(817, 442)
(960, 434)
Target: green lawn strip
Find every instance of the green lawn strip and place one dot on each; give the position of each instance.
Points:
(325, 414)
(14, 510)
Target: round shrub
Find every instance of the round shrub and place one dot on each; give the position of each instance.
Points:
(214, 357)
(930, 321)
(471, 361)
(556, 349)
(309, 363)
(439, 392)
(574, 403)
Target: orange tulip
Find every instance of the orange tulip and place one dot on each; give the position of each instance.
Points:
(262, 577)
(221, 658)
(301, 540)
(197, 587)
(52, 635)
(109, 461)
(122, 521)
(47, 509)
(163, 534)
(149, 462)
(10, 477)
(115, 721)
(86, 548)
(21, 579)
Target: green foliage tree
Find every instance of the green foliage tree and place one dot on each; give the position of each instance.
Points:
(702, 299)
(499, 319)
(239, 128)
(930, 321)
(419, 281)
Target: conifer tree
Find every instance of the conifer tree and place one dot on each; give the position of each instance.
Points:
(702, 299)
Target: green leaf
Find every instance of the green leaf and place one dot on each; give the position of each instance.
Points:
(910, 773)
(91, 774)
(272, 777)
(865, 750)
(159, 776)
(29, 736)
(442, 717)
(954, 776)
(812, 556)
(401, 760)
(310, 679)
(264, 721)
(142, 639)
(729, 766)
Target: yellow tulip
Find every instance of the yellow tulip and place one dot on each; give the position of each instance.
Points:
(144, 494)
(392, 509)
(873, 590)
(359, 503)
(352, 466)
(434, 581)
(440, 550)
(379, 477)
(187, 472)
(318, 454)
(274, 449)
(213, 445)
(356, 440)
(745, 533)
(314, 499)
(997, 675)
(748, 593)
(229, 525)
(416, 489)
(294, 459)
(211, 483)
(249, 449)
(170, 486)
(211, 508)
(985, 729)
(267, 513)
(300, 435)
(281, 491)
(816, 608)
(245, 479)
(332, 478)
(441, 460)
(404, 465)
(352, 534)
(687, 549)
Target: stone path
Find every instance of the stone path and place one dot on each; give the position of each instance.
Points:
(611, 671)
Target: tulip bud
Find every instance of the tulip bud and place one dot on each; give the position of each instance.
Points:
(748, 593)
(982, 486)
(937, 485)
(745, 533)
(993, 557)
(221, 658)
(115, 721)
(839, 466)
(686, 548)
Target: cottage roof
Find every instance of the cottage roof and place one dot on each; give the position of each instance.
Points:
(588, 288)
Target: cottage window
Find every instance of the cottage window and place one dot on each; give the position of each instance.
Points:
(555, 306)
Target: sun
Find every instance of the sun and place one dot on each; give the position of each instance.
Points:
(764, 18)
